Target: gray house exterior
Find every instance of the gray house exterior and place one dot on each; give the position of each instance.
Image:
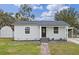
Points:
(34, 30)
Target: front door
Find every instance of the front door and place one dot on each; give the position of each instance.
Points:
(43, 31)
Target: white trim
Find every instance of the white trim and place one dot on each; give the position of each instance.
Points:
(40, 31)
(67, 32)
(72, 33)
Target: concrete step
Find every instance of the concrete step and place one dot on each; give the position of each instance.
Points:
(45, 40)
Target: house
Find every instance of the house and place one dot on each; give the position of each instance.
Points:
(34, 30)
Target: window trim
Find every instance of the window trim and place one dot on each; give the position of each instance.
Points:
(56, 30)
(27, 30)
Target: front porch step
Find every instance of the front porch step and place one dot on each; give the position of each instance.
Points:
(44, 40)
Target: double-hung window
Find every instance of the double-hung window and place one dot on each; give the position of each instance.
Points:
(27, 30)
(56, 30)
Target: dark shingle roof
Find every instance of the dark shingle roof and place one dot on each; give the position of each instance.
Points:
(42, 23)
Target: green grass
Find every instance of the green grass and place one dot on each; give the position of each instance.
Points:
(10, 47)
(63, 48)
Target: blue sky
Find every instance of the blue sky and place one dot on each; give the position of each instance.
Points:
(41, 11)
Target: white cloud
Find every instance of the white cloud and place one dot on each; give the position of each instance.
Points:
(54, 6)
(38, 6)
(34, 6)
(65, 7)
(52, 9)
(48, 14)
(44, 18)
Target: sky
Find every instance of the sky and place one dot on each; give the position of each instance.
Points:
(41, 11)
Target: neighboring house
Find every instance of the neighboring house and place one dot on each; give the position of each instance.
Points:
(34, 30)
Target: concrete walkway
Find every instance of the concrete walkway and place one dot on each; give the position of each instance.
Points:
(44, 49)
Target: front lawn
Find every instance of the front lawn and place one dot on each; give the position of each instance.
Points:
(10, 47)
(63, 48)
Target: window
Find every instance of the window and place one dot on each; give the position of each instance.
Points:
(44, 30)
(55, 30)
(27, 30)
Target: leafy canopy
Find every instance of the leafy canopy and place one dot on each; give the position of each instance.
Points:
(25, 13)
(69, 15)
(6, 19)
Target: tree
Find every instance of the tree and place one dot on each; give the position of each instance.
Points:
(25, 13)
(18, 16)
(6, 19)
(69, 15)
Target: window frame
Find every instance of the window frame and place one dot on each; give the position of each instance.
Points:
(27, 30)
(56, 30)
